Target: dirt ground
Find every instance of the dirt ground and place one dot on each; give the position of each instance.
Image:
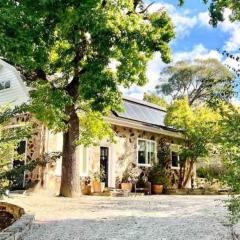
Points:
(137, 217)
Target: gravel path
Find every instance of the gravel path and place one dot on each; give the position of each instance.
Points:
(129, 218)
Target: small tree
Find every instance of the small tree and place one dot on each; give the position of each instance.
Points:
(229, 142)
(9, 139)
(199, 127)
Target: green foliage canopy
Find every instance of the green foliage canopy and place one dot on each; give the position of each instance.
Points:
(199, 126)
(217, 8)
(68, 46)
(229, 142)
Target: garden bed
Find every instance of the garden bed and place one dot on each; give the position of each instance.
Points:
(6, 219)
(199, 191)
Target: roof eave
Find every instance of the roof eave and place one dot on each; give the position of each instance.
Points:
(144, 127)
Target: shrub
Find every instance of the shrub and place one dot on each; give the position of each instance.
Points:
(158, 175)
(211, 172)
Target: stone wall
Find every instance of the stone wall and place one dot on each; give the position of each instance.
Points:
(35, 145)
(124, 151)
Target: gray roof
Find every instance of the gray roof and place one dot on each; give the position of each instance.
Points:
(144, 112)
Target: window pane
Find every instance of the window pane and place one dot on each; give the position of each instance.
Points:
(84, 162)
(5, 84)
(151, 152)
(83, 151)
(21, 148)
(142, 151)
(174, 159)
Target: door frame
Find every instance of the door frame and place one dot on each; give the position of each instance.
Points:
(111, 169)
(108, 160)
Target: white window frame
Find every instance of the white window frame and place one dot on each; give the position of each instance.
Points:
(4, 89)
(174, 167)
(155, 152)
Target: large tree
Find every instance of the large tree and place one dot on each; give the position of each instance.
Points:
(200, 80)
(77, 53)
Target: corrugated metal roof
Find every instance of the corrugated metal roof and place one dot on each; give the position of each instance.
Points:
(142, 111)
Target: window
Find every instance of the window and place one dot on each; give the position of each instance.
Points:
(5, 85)
(175, 160)
(83, 161)
(19, 181)
(146, 152)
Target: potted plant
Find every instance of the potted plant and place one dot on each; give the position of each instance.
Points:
(85, 185)
(97, 181)
(157, 176)
(126, 183)
(130, 176)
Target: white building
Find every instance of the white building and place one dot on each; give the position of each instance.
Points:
(12, 89)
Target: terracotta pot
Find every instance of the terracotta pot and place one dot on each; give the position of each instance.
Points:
(98, 187)
(126, 186)
(86, 190)
(157, 188)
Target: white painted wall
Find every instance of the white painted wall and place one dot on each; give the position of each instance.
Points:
(17, 93)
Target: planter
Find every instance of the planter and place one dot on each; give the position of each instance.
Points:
(98, 187)
(126, 186)
(86, 190)
(157, 188)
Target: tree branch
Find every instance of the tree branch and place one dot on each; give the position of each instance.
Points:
(144, 10)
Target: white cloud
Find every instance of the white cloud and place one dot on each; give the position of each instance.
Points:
(183, 22)
(232, 28)
(198, 52)
(236, 101)
(204, 18)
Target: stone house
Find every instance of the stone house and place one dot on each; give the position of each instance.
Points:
(138, 134)
(139, 131)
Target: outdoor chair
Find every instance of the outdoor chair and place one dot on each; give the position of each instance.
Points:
(146, 189)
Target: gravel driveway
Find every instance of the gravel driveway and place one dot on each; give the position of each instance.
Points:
(141, 217)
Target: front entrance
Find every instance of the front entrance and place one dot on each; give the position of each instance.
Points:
(104, 158)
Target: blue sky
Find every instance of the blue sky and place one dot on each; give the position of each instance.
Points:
(195, 38)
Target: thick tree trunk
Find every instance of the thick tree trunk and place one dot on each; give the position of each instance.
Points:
(70, 180)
